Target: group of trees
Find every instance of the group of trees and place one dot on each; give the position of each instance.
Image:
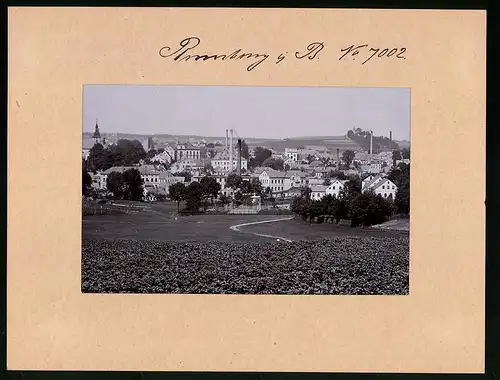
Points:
(124, 152)
(362, 208)
(260, 156)
(379, 142)
(195, 193)
(127, 185)
(400, 175)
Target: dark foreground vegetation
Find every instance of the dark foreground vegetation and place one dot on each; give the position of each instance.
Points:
(347, 265)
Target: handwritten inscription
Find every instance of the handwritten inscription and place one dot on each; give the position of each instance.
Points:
(183, 53)
(369, 53)
(188, 50)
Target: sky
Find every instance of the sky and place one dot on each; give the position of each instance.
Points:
(254, 112)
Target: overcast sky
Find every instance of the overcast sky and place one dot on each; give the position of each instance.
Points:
(268, 112)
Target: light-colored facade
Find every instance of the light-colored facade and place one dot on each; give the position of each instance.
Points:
(380, 186)
(374, 167)
(187, 151)
(223, 163)
(292, 154)
(335, 187)
(318, 192)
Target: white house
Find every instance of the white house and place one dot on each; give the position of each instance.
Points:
(273, 179)
(381, 186)
(167, 156)
(318, 192)
(292, 154)
(99, 180)
(222, 161)
(335, 187)
(370, 181)
(386, 188)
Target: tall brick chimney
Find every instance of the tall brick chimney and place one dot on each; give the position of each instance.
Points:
(238, 168)
(338, 159)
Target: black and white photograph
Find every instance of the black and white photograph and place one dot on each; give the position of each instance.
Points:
(245, 190)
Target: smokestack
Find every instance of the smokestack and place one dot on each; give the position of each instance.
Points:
(227, 134)
(231, 150)
(390, 138)
(338, 159)
(238, 168)
(371, 142)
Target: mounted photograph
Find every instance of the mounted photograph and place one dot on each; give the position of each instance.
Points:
(245, 190)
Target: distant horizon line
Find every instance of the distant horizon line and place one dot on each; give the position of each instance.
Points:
(223, 137)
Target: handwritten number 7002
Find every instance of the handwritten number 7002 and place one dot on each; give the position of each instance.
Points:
(368, 53)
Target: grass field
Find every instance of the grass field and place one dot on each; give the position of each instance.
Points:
(154, 251)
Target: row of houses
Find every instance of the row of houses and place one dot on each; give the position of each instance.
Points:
(283, 184)
(379, 184)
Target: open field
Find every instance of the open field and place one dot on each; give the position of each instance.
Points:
(154, 251)
(347, 265)
(165, 227)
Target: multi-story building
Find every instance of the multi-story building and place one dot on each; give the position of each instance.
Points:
(374, 167)
(222, 161)
(292, 154)
(335, 187)
(187, 151)
(318, 192)
(380, 186)
(167, 179)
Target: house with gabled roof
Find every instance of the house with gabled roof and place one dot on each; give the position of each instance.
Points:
(318, 192)
(380, 186)
(335, 187)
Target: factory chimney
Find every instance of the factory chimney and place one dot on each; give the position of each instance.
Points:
(238, 168)
(230, 150)
(338, 159)
(227, 134)
(371, 142)
(390, 138)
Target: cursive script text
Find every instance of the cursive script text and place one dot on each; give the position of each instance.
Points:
(184, 53)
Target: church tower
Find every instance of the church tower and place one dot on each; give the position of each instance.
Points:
(97, 135)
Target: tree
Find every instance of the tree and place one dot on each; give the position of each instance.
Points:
(116, 185)
(233, 181)
(405, 153)
(348, 157)
(246, 187)
(208, 168)
(97, 158)
(260, 155)
(256, 186)
(274, 163)
(131, 151)
(368, 209)
(396, 156)
(194, 195)
(352, 188)
(209, 187)
(134, 190)
(187, 175)
(177, 192)
(286, 167)
(310, 158)
(327, 182)
(244, 149)
(224, 199)
(86, 182)
(238, 198)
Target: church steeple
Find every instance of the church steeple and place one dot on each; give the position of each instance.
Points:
(97, 135)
